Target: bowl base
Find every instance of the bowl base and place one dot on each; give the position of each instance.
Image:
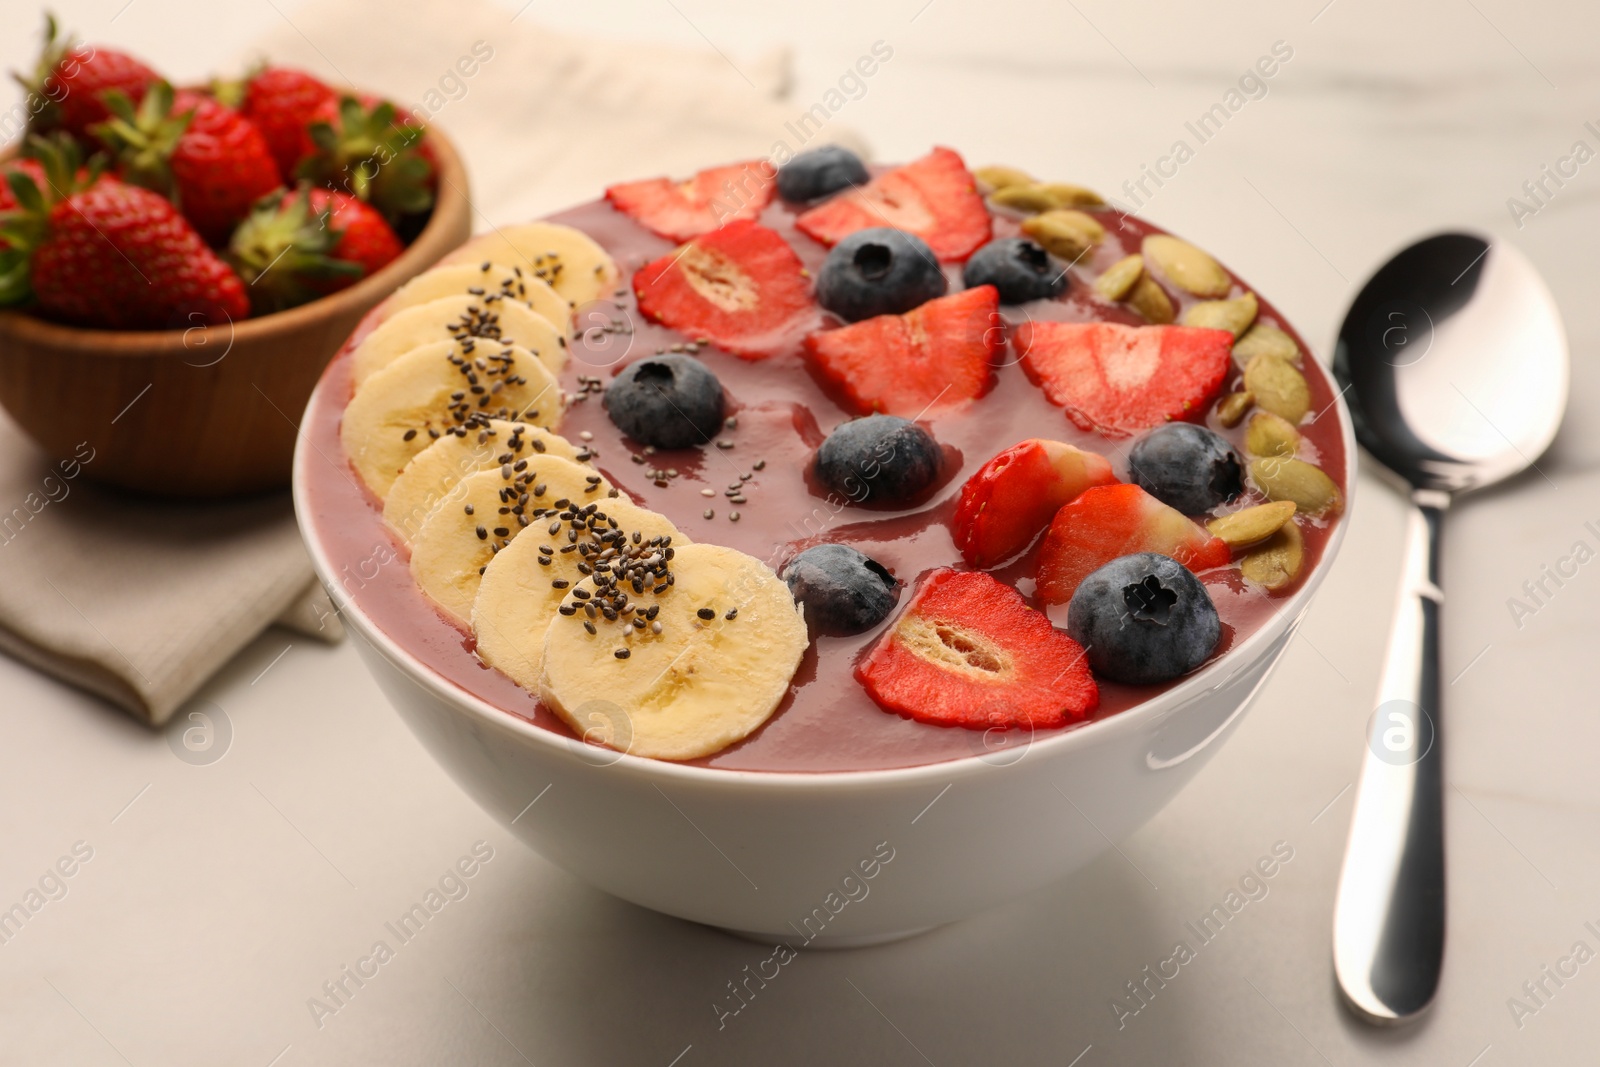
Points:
(847, 942)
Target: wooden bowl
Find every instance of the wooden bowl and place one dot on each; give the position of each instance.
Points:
(208, 411)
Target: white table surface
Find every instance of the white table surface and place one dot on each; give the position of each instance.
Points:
(219, 898)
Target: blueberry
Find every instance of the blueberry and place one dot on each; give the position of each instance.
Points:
(821, 171)
(666, 401)
(878, 272)
(1143, 618)
(844, 592)
(1018, 267)
(1187, 467)
(881, 459)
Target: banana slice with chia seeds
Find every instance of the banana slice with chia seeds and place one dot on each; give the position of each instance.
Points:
(729, 641)
(439, 389)
(439, 468)
(574, 265)
(481, 279)
(526, 581)
(466, 319)
(484, 514)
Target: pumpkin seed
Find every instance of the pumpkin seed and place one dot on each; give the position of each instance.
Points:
(1278, 387)
(1120, 277)
(1276, 563)
(1284, 478)
(1031, 198)
(1251, 525)
(1271, 435)
(1186, 266)
(1065, 194)
(1264, 340)
(1064, 233)
(1234, 315)
(1231, 408)
(998, 177)
(1151, 301)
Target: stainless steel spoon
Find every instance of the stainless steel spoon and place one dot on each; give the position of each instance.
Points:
(1455, 366)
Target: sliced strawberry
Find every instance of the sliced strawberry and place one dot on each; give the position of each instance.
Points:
(934, 358)
(934, 198)
(969, 651)
(741, 286)
(1118, 520)
(712, 198)
(1013, 497)
(1119, 380)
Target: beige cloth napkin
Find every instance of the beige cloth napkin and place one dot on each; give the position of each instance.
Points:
(140, 602)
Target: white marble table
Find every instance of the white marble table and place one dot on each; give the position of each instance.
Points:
(220, 898)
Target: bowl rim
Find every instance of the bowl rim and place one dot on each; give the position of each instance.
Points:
(19, 325)
(647, 770)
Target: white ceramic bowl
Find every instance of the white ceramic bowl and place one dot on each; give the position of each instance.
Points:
(829, 859)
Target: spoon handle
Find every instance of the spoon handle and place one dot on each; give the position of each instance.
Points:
(1388, 922)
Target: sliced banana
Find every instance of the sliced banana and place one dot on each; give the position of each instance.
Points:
(569, 259)
(731, 639)
(485, 513)
(464, 318)
(429, 392)
(526, 581)
(481, 279)
(439, 468)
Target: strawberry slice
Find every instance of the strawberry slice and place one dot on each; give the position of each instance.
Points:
(741, 286)
(712, 198)
(1118, 520)
(1013, 496)
(934, 358)
(1118, 380)
(969, 651)
(934, 198)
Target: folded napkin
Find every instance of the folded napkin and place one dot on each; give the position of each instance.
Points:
(140, 601)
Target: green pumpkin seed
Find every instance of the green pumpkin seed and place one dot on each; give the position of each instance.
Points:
(1249, 526)
(1186, 266)
(1276, 564)
(998, 177)
(1031, 198)
(1278, 387)
(1151, 301)
(1065, 233)
(1264, 340)
(1271, 435)
(1065, 194)
(1231, 408)
(1283, 478)
(1234, 315)
(1120, 277)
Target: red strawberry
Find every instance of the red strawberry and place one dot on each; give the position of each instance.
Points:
(969, 651)
(1118, 520)
(70, 77)
(931, 359)
(934, 198)
(1117, 380)
(298, 246)
(712, 198)
(98, 252)
(365, 146)
(741, 286)
(1015, 495)
(283, 102)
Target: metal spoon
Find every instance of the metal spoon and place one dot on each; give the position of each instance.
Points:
(1455, 364)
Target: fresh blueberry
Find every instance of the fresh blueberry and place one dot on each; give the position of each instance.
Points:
(1142, 619)
(878, 272)
(881, 459)
(668, 401)
(821, 171)
(844, 592)
(1187, 467)
(1018, 267)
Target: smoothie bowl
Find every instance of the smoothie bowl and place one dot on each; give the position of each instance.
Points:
(824, 554)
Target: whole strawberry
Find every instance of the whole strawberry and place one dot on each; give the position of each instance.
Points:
(366, 147)
(207, 158)
(65, 90)
(298, 246)
(283, 102)
(94, 251)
